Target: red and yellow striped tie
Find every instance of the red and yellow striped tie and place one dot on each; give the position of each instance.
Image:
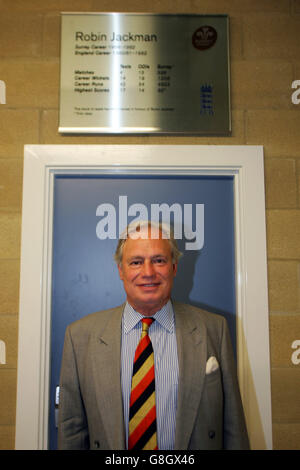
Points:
(142, 414)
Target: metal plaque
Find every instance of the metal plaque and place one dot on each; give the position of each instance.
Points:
(144, 73)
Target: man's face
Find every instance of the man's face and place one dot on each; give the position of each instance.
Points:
(147, 272)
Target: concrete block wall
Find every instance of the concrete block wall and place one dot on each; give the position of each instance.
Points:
(265, 60)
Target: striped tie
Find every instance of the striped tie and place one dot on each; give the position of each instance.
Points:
(142, 414)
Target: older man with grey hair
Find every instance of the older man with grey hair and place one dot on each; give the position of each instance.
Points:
(151, 374)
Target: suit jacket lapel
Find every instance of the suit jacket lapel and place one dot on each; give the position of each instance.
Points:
(191, 345)
(106, 368)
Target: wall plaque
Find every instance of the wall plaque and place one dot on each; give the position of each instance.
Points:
(144, 73)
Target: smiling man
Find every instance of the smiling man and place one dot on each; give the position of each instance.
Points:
(147, 268)
(150, 374)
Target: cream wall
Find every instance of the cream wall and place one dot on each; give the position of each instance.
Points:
(265, 60)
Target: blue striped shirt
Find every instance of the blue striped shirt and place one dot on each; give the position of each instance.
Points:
(163, 337)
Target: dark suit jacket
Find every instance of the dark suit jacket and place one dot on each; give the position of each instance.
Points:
(209, 410)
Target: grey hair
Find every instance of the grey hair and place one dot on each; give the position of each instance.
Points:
(132, 230)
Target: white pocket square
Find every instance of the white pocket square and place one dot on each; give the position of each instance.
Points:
(211, 365)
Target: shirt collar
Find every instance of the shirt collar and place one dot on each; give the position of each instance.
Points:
(165, 317)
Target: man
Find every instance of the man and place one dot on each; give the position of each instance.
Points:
(194, 401)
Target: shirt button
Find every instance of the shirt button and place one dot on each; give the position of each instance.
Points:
(211, 434)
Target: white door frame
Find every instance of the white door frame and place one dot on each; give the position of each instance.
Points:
(42, 163)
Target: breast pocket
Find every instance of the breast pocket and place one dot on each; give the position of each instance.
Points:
(214, 377)
(213, 396)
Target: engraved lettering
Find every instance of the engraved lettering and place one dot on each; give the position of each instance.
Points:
(128, 37)
(80, 36)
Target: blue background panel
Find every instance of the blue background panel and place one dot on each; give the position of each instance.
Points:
(85, 277)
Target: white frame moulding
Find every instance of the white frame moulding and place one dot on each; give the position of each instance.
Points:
(41, 164)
